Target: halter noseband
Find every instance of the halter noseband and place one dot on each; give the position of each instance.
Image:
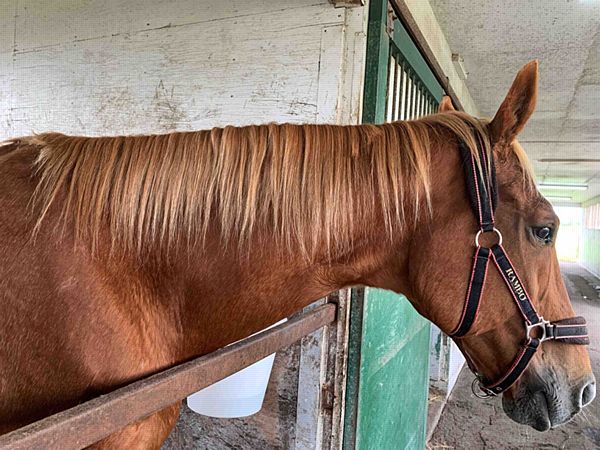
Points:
(483, 195)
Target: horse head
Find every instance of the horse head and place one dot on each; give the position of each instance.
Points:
(556, 381)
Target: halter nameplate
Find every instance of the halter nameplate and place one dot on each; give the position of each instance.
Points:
(482, 189)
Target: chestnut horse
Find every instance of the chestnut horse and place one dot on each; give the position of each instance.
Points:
(121, 256)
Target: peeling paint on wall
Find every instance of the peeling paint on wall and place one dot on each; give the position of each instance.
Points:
(113, 67)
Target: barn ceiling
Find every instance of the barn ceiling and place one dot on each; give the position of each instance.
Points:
(496, 38)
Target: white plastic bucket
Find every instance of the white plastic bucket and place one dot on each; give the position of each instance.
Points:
(239, 395)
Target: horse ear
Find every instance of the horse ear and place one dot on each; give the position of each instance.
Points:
(518, 106)
(446, 105)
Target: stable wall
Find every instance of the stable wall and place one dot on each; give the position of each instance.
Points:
(109, 67)
(590, 241)
(590, 258)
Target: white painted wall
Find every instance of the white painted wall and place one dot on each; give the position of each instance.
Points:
(147, 66)
(445, 361)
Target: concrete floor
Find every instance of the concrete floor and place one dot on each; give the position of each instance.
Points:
(471, 423)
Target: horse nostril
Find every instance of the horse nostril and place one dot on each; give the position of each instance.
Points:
(588, 393)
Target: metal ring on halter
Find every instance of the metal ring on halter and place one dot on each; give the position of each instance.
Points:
(543, 324)
(494, 230)
(479, 391)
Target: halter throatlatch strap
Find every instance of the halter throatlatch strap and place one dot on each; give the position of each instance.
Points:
(481, 186)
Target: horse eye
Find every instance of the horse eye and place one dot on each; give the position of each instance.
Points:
(544, 234)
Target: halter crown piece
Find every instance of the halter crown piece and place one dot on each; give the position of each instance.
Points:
(483, 195)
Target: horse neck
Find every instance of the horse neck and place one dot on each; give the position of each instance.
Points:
(233, 292)
(213, 294)
(210, 295)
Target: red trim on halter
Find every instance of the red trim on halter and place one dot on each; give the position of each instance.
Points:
(518, 277)
(509, 371)
(489, 188)
(487, 265)
(470, 288)
(478, 191)
(484, 206)
(511, 291)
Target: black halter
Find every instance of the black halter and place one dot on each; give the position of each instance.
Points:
(481, 185)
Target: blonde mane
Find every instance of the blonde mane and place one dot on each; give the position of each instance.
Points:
(307, 183)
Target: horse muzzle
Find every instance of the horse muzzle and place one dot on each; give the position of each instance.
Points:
(548, 402)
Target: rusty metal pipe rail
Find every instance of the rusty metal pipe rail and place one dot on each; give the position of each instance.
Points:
(92, 421)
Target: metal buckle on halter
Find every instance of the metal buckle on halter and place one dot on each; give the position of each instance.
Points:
(494, 230)
(480, 391)
(543, 324)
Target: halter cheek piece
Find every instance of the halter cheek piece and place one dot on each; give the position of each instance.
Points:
(482, 189)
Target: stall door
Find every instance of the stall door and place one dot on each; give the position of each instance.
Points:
(387, 384)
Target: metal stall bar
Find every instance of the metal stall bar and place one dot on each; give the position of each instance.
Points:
(92, 421)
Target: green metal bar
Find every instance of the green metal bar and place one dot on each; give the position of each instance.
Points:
(378, 50)
(374, 110)
(357, 298)
(409, 51)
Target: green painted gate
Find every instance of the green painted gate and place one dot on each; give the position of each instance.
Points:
(388, 364)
